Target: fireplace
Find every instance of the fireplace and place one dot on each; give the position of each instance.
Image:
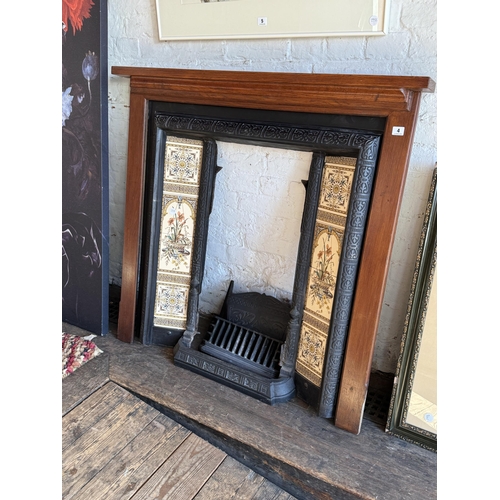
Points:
(378, 110)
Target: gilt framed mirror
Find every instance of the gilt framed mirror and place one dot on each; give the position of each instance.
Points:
(413, 408)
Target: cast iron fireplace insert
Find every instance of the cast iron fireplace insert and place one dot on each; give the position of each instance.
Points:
(325, 136)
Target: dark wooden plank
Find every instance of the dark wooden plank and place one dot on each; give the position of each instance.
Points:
(122, 477)
(184, 473)
(82, 418)
(92, 451)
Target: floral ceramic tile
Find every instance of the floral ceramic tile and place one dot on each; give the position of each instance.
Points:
(178, 223)
(323, 271)
(311, 354)
(177, 231)
(336, 187)
(182, 161)
(171, 300)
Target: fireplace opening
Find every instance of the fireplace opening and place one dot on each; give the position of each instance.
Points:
(255, 222)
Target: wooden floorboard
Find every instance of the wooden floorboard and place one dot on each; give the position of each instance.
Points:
(288, 444)
(234, 481)
(85, 416)
(185, 472)
(126, 473)
(91, 376)
(90, 453)
(117, 447)
(227, 481)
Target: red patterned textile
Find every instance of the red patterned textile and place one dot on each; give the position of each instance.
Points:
(75, 352)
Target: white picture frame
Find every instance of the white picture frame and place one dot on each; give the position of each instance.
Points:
(247, 19)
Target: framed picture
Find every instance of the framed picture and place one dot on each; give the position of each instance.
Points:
(413, 407)
(220, 19)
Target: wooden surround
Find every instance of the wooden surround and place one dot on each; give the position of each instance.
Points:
(395, 98)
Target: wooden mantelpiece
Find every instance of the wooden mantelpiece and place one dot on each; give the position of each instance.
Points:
(396, 98)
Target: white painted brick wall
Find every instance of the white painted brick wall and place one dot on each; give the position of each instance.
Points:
(238, 248)
(255, 222)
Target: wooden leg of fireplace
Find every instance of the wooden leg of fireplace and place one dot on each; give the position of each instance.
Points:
(381, 228)
(133, 216)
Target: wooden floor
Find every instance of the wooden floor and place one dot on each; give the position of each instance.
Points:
(287, 444)
(115, 446)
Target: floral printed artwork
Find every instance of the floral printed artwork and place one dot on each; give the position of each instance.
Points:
(84, 166)
(74, 12)
(329, 233)
(182, 169)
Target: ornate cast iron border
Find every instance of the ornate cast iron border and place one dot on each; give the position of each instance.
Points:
(314, 138)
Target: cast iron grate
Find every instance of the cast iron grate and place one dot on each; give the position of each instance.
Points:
(114, 303)
(244, 347)
(377, 405)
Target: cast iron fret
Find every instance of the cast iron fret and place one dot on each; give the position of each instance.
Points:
(244, 347)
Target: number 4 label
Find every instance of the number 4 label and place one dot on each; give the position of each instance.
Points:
(398, 131)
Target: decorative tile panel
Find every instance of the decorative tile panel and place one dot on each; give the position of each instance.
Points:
(312, 346)
(182, 167)
(330, 227)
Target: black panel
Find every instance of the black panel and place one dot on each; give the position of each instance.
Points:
(315, 120)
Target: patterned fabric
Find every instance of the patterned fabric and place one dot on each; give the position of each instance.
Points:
(76, 351)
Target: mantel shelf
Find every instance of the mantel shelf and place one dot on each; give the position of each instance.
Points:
(416, 83)
(317, 93)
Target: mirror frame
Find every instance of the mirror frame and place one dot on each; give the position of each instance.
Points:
(413, 329)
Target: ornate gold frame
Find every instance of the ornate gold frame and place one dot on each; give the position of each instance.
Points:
(398, 422)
